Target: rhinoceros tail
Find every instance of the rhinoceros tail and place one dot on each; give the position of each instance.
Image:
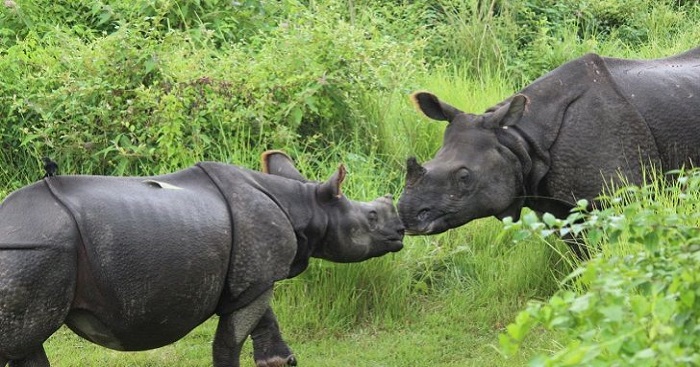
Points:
(50, 167)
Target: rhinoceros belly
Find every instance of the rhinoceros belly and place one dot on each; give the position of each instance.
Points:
(154, 257)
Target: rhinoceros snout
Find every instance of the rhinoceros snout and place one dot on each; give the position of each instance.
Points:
(423, 221)
(414, 221)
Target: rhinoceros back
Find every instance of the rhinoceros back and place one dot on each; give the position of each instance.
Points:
(153, 257)
(666, 92)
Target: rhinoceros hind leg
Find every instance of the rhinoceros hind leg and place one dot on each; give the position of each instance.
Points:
(36, 290)
(35, 359)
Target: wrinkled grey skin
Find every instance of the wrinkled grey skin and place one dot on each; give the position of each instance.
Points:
(558, 140)
(134, 263)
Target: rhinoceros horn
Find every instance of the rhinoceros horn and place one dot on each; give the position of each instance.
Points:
(414, 171)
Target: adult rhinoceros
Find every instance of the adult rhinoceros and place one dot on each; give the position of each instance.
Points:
(558, 140)
(135, 263)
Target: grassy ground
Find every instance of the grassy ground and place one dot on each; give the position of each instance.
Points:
(435, 342)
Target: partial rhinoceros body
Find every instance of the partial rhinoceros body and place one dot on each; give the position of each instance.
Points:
(135, 263)
(561, 139)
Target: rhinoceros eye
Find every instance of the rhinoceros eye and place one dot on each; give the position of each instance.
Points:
(372, 218)
(463, 175)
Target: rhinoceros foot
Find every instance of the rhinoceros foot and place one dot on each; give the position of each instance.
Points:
(272, 352)
(276, 361)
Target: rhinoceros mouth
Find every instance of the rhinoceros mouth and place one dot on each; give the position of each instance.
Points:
(425, 232)
(435, 226)
(395, 245)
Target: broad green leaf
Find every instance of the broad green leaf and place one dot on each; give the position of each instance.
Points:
(687, 298)
(612, 313)
(573, 357)
(549, 219)
(295, 116)
(581, 304)
(645, 354)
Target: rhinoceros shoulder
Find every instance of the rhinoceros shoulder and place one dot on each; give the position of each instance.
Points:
(264, 241)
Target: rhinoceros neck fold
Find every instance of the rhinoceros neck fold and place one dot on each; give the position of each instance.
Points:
(298, 201)
(533, 159)
(293, 199)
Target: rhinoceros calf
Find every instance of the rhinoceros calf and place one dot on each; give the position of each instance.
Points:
(558, 140)
(134, 263)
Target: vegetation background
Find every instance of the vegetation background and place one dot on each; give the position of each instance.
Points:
(139, 87)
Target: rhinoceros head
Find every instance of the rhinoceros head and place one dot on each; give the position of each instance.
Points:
(473, 175)
(353, 231)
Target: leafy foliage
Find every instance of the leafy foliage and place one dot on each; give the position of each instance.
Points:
(636, 302)
(219, 21)
(153, 93)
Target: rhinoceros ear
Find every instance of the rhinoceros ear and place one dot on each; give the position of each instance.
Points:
(278, 163)
(432, 107)
(508, 114)
(331, 189)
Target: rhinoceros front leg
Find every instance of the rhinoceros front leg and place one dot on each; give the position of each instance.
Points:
(269, 349)
(234, 328)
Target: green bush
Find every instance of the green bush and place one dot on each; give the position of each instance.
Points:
(144, 86)
(637, 301)
(146, 98)
(219, 21)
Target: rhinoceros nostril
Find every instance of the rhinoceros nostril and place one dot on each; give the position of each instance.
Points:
(401, 231)
(423, 214)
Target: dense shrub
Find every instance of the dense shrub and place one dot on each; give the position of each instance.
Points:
(149, 97)
(636, 302)
(117, 86)
(220, 21)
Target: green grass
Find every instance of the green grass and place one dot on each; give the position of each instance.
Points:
(436, 340)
